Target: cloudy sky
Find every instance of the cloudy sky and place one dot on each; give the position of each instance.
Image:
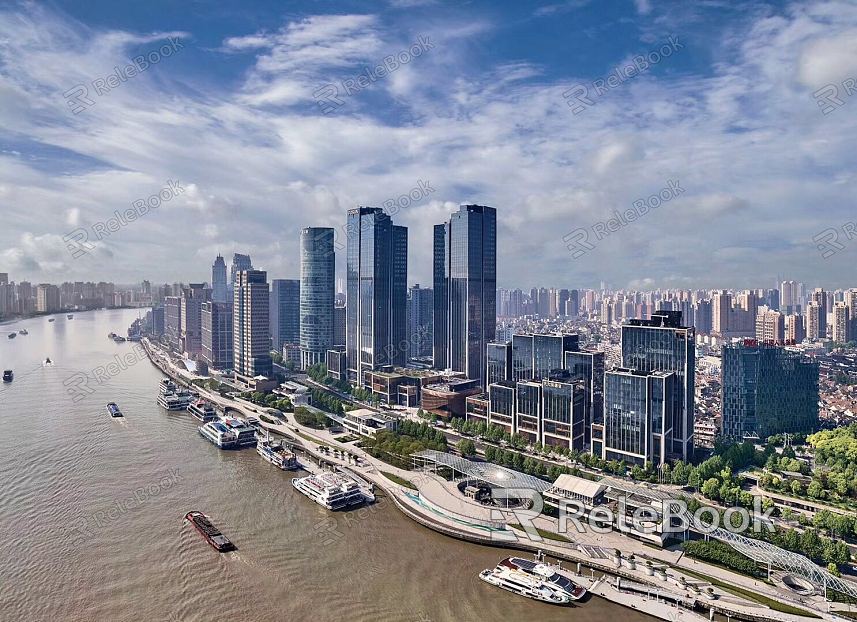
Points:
(258, 111)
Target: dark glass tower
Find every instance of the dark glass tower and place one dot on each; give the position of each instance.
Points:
(285, 312)
(663, 344)
(316, 291)
(465, 290)
(376, 309)
(767, 390)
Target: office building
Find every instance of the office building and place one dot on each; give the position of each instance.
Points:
(251, 348)
(339, 325)
(376, 275)
(663, 344)
(767, 390)
(318, 274)
(420, 322)
(173, 321)
(217, 337)
(239, 263)
(192, 299)
(540, 356)
(588, 368)
(219, 285)
(499, 361)
(285, 312)
(465, 289)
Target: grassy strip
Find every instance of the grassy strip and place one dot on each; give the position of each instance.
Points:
(399, 480)
(749, 594)
(548, 535)
(310, 439)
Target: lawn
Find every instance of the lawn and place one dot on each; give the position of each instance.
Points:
(548, 535)
(398, 480)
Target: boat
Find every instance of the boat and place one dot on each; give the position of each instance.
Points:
(333, 491)
(277, 454)
(111, 335)
(48, 361)
(533, 579)
(203, 410)
(113, 410)
(244, 433)
(177, 400)
(167, 386)
(52, 319)
(69, 317)
(12, 335)
(118, 338)
(218, 434)
(211, 533)
(23, 331)
(8, 375)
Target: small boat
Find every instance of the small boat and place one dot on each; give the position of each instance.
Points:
(52, 319)
(12, 335)
(111, 335)
(118, 338)
(48, 361)
(69, 316)
(533, 579)
(8, 375)
(211, 533)
(113, 410)
(23, 331)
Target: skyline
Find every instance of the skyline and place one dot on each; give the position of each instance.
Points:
(480, 113)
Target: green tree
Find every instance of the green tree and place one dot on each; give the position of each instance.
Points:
(711, 488)
(466, 447)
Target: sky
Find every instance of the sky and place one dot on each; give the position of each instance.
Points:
(729, 125)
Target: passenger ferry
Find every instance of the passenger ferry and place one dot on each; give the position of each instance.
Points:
(23, 331)
(246, 434)
(167, 386)
(8, 375)
(202, 410)
(277, 454)
(211, 533)
(219, 434)
(533, 579)
(331, 490)
(113, 410)
(179, 400)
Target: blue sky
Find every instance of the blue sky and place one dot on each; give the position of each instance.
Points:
(479, 112)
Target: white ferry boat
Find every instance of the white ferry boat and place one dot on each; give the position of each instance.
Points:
(277, 454)
(219, 434)
(533, 579)
(167, 386)
(203, 410)
(244, 433)
(331, 490)
(179, 400)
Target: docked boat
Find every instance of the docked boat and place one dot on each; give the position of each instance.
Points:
(119, 339)
(218, 434)
(12, 335)
(177, 400)
(166, 386)
(211, 533)
(277, 454)
(533, 579)
(203, 410)
(23, 331)
(113, 410)
(244, 433)
(333, 491)
(8, 375)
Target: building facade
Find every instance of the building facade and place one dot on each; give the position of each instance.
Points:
(285, 312)
(318, 274)
(219, 285)
(193, 297)
(217, 338)
(251, 324)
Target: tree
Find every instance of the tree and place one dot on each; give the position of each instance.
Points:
(466, 447)
(815, 490)
(797, 487)
(711, 488)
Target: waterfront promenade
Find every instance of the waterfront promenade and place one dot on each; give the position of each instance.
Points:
(436, 504)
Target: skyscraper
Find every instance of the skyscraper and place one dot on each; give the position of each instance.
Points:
(317, 294)
(770, 326)
(191, 317)
(377, 277)
(173, 320)
(251, 324)
(841, 323)
(420, 315)
(465, 289)
(767, 390)
(819, 296)
(219, 286)
(663, 344)
(239, 262)
(217, 338)
(285, 312)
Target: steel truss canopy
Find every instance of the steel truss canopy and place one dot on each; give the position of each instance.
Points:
(493, 474)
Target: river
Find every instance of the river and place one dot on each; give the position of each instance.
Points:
(91, 513)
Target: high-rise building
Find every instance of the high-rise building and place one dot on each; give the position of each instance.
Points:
(285, 312)
(770, 326)
(663, 344)
(795, 329)
(377, 275)
(499, 361)
(420, 321)
(339, 313)
(239, 263)
(47, 298)
(702, 317)
(814, 323)
(638, 415)
(588, 368)
(820, 297)
(219, 286)
(193, 296)
(173, 320)
(465, 288)
(540, 356)
(788, 297)
(767, 390)
(317, 293)
(251, 324)
(721, 306)
(217, 337)
(841, 323)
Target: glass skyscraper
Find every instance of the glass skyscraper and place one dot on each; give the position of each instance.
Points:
(465, 290)
(220, 288)
(285, 312)
(663, 344)
(251, 324)
(540, 356)
(376, 308)
(316, 292)
(767, 390)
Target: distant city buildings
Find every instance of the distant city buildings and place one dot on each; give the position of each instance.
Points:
(251, 325)
(767, 390)
(317, 292)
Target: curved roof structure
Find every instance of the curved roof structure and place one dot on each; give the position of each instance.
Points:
(494, 474)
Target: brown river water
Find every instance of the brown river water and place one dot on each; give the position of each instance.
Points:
(91, 513)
